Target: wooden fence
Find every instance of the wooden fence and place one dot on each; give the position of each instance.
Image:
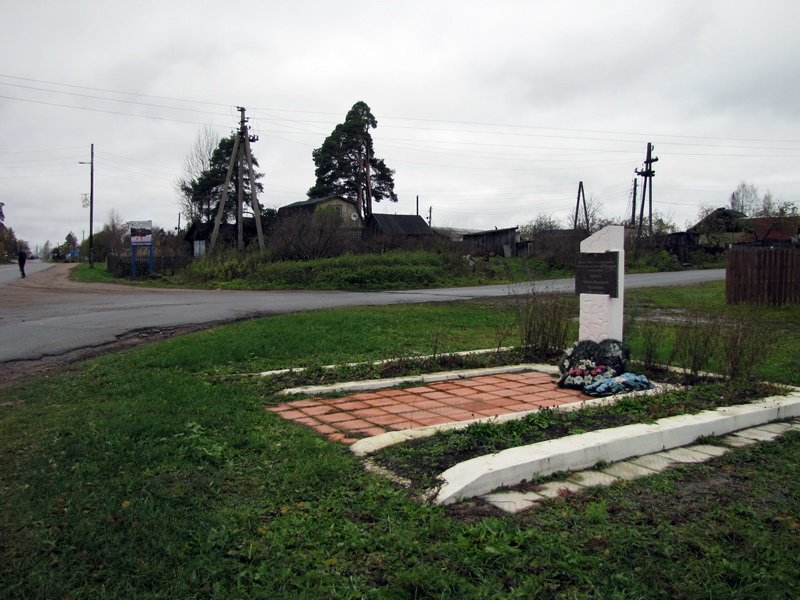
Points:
(761, 275)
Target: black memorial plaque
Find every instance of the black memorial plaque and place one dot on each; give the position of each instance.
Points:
(597, 273)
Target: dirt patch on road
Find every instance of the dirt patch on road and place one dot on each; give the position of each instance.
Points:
(55, 280)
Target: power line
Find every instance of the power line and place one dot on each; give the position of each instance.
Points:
(637, 135)
(111, 112)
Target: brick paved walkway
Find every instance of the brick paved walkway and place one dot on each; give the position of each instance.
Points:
(373, 413)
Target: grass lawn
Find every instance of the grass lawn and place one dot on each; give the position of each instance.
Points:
(82, 272)
(151, 473)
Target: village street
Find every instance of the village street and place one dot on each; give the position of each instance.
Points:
(47, 315)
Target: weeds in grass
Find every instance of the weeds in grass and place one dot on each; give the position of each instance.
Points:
(544, 323)
(504, 327)
(652, 336)
(696, 340)
(744, 345)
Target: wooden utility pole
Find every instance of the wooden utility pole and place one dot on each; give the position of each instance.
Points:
(633, 203)
(224, 199)
(241, 152)
(581, 194)
(91, 207)
(240, 193)
(647, 188)
(254, 193)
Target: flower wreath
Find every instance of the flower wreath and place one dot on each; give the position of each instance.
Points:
(590, 362)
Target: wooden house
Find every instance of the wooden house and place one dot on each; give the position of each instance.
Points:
(500, 242)
(344, 207)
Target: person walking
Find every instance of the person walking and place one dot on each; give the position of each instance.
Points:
(22, 256)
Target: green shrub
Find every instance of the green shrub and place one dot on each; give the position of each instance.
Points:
(394, 269)
(654, 262)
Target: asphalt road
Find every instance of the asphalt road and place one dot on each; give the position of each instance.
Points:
(46, 315)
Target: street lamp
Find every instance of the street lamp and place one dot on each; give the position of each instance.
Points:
(91, 209)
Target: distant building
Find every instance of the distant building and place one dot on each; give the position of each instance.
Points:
(345, 208)
(501, 242)
(454, 234)
(398, 225)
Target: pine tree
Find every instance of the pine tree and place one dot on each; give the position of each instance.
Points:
(346, 165)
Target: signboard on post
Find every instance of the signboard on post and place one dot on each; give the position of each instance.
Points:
(141, 233)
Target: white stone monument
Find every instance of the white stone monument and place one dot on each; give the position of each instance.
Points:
(600, 281)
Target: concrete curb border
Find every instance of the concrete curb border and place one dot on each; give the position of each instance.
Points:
(379, 384)
(483, 474)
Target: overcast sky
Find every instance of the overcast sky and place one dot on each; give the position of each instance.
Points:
(490, 112)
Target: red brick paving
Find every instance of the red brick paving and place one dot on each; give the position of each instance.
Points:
(371, 413)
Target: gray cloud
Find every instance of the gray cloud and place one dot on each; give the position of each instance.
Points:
(492, 114)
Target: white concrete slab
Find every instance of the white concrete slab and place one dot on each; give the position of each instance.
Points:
(655, 462)
(779, 428)
(554, 489)
(513, 502)
(627, 471)
(710, 449)
(685, 455)
(736, 441)
(593, 478)
(761, 435)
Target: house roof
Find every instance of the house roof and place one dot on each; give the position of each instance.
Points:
(453, 233)
(724, 215)
(492, 232)
(400, 224)
(774, 228)
(314, 201)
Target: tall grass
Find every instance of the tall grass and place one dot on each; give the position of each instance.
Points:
(736, 342)
(390, 270)
(544, 322)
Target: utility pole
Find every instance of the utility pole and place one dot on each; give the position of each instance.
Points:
(581, 193)
(91, 207)
(241, 144)
(633, 202)
(430, 215)
(240, 187)
(647, 176)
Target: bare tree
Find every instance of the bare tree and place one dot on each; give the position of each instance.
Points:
(307, 237)
(745, 199)
(594, 213)
(196, 162)
(116, 229)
